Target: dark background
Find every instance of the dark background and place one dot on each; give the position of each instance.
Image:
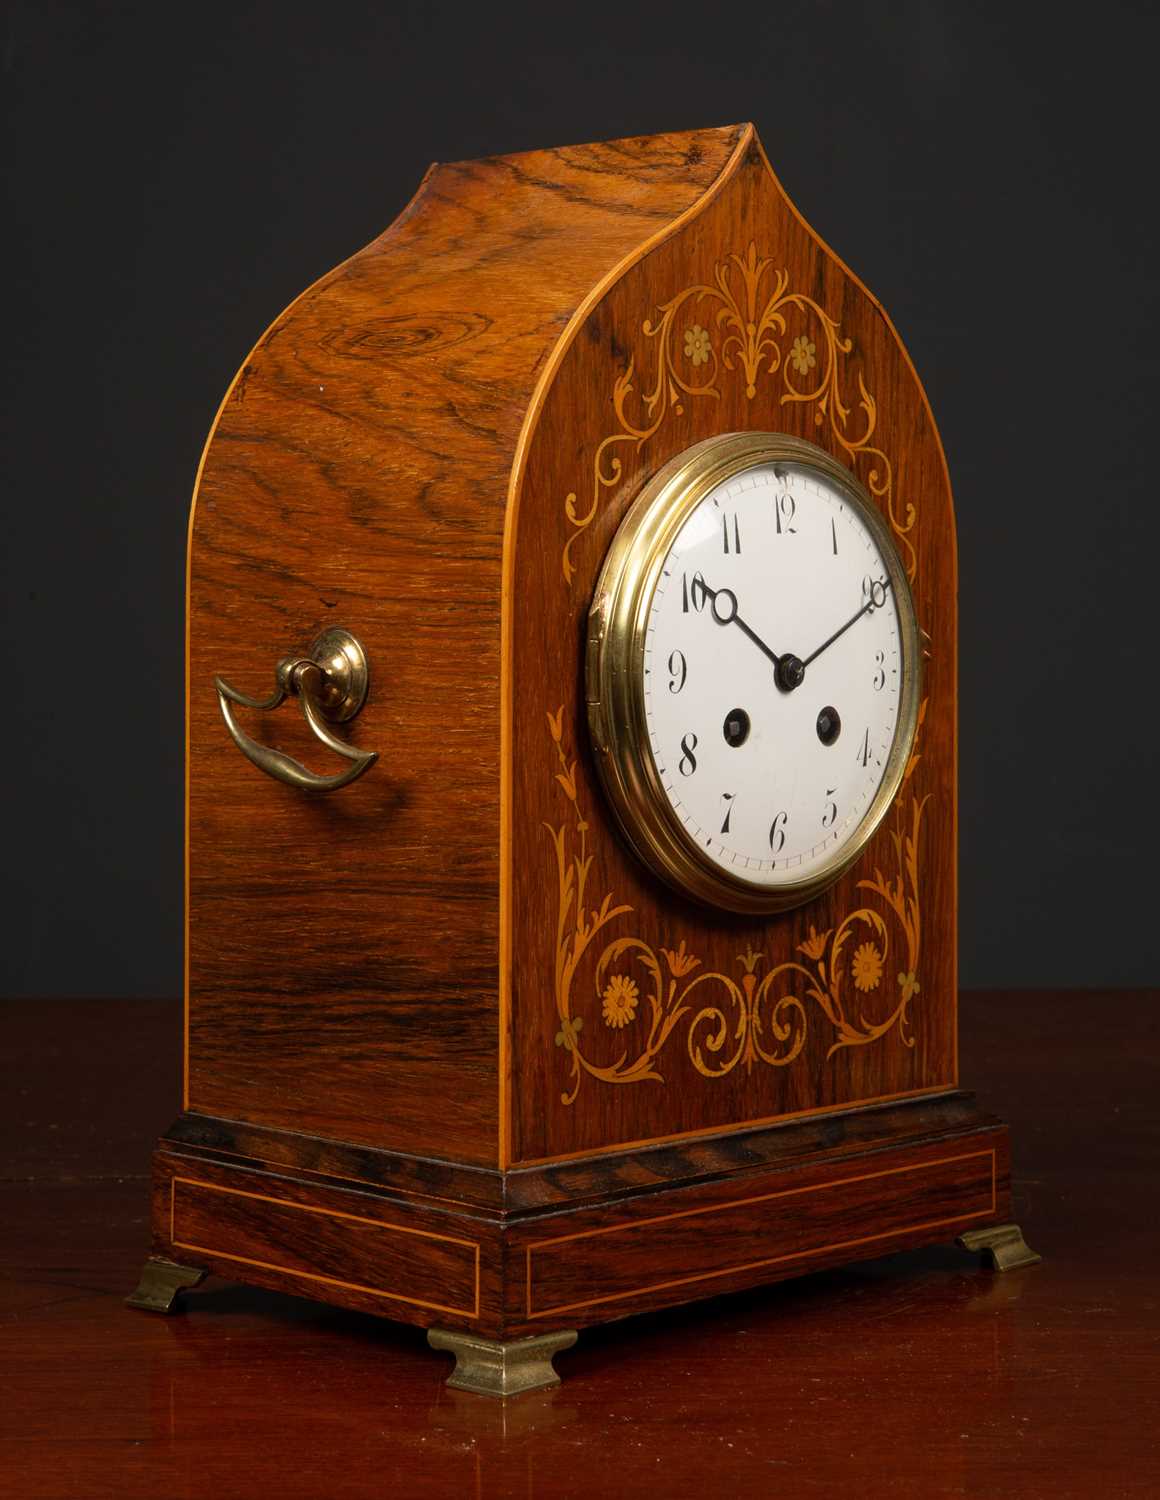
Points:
(176, 174)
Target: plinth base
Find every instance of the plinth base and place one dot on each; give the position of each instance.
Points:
(504, 1266)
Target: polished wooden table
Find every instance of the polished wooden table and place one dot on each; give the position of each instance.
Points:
(920, 1374)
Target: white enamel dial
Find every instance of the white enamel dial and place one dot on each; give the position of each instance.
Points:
(768, 774)
(753, 671)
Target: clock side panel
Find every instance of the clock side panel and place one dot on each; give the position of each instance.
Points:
(342, 949)
(340, 968)
(635, 1015)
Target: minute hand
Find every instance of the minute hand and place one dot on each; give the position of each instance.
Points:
(870, 604)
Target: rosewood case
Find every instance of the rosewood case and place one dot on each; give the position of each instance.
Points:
(406, 1087)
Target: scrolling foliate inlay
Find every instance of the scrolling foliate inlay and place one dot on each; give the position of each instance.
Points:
(741, 333)
(754, 1018)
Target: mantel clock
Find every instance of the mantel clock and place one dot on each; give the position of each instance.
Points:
(586, 944)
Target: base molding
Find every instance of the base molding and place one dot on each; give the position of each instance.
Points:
(557, 1247)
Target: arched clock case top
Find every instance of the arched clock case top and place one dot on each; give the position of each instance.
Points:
(735, 323)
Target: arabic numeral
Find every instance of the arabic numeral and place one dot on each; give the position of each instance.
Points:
(880, 671)
(784, 510)
(688, 761)
(727, 798)
(830, 816)
(777, 832)
(678, 671)
(862, 754)
(692, 593)
(731, 531)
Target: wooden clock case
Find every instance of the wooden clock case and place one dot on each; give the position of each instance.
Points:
(452, 1055)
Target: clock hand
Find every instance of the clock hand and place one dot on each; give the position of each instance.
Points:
(872, 603)
(726, 614)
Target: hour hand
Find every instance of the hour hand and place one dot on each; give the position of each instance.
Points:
(723, 603)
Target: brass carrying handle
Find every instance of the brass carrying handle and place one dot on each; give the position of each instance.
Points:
(330, 682)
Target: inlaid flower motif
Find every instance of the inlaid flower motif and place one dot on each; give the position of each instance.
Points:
(866, 967)
(909, 985)
(804, 355)
(750, 959)
(815, 945)
(566, 1036)
(697, 346)
(620, 997)
(680, 963)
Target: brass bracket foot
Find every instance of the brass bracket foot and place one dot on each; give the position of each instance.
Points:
(162, 1282)
(1003, 1244)
(491, 1368)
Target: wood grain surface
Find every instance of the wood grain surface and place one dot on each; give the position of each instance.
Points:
(346, 1244)
(344, 950)
(917, 1374)
(752, 1233)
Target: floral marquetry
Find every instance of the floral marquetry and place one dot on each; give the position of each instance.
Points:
(749, 304)
(697, 345)
(764, 1015)
(866, 966)
(620, 999)
(803, 355)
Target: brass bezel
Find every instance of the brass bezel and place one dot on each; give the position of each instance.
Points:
(617, 625)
